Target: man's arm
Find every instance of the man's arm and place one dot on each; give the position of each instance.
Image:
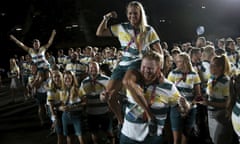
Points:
(19, 43)
(129, 82)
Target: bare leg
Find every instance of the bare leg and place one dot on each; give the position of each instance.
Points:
(70, 140)
(60, 139)
(177, 137)
(185, 136)
(41, 113)
(94, 138)
(184, 139)
(111, 137)
(112, 89)
(81, 139)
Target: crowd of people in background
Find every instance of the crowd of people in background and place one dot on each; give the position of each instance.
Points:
(155, 92)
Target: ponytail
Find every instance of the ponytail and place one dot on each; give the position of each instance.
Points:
(227, 66)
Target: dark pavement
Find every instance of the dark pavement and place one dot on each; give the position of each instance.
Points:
(19, 123)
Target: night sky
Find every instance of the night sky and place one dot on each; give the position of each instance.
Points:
(174, 20)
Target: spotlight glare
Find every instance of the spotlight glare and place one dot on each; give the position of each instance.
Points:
(74, 25)
(18, 29)
(68, 27)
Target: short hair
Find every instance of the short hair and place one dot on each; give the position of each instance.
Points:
(153, 55)
(220, 51)
(209, 50)
(36, 40)
(194, 51)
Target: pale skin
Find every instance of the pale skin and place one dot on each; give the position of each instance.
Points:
(134, 18)
(217, 71)
(93, 73)
(150, 72)
(178, 136)
(68, 82)
(36, 44)
(57, 80)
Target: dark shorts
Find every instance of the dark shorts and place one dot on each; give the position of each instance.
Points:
(58, 123)
(72, 120)
(99, 122)
(119, 71)
(41, 98)
(178, 122)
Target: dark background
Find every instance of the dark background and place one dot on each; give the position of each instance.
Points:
(174, 20)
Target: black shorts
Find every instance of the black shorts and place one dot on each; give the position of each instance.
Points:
(99, 122)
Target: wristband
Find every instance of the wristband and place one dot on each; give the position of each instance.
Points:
(53, 118)
(106, 18)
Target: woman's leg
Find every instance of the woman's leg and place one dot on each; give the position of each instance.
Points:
(41, 113)
(70, 140)
(60, 139)
(177, 137)
(81, 140)
(112, 89)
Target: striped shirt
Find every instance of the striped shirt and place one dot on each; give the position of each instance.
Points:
(92, 89)
(53, 95)
(185, 83)
(77, 68)
(39, 57)
(236, 117)
(218, 90)
(126, 36)
(165, 95)
(85, 59)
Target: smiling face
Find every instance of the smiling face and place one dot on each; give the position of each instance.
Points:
(149, 70)
(134, 15)
(215, 68)
(36, 44)
(93, 69)
(179, 62)
(56, 78)
(68, 80)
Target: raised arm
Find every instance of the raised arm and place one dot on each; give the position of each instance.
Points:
(19, 43)
(50, 41)
(102, 29)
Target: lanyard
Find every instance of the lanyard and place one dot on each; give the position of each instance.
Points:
(133, 39)
(153, 94)
(94, 82)
(68, 97)
(215, 80)
(183, 78)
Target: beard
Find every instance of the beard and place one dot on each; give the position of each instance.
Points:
(149, 78)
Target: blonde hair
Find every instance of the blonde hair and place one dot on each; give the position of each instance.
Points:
(13, 66)
(53, 85)
(74, 86)
(153, 55)
(187, 65)
(143, 22)
(222, 61)
(208, 52)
